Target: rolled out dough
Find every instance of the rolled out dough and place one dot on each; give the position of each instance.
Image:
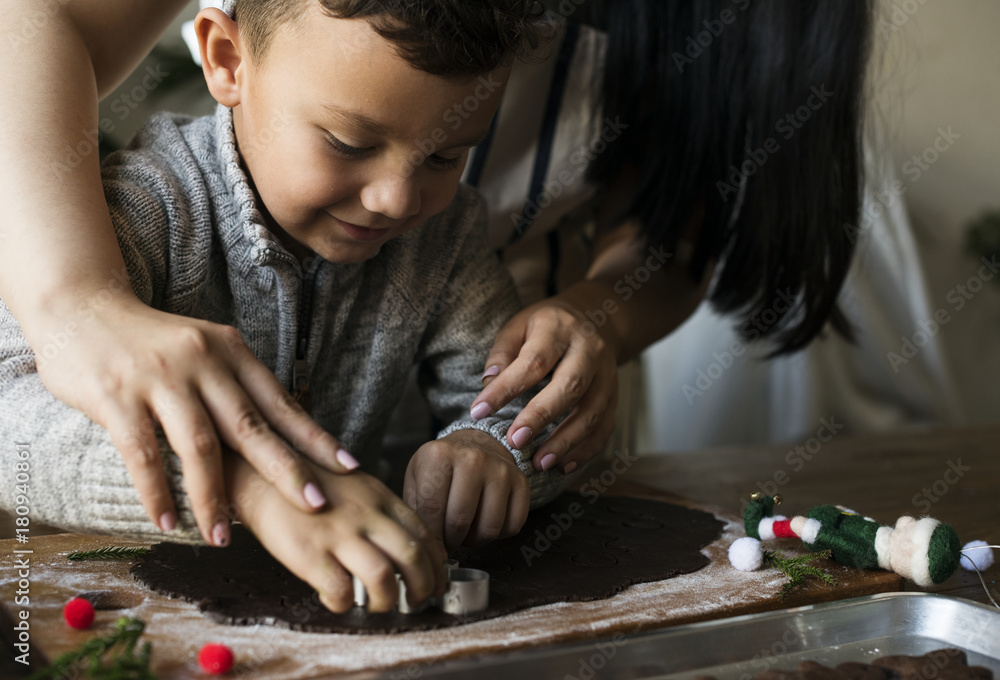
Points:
(577, 548)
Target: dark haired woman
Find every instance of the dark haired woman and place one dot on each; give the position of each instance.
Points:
(613, 223)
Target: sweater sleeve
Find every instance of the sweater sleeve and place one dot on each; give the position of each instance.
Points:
(478, 300)
(77, 478)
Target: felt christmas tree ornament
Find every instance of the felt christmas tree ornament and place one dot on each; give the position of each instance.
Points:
(922, 550)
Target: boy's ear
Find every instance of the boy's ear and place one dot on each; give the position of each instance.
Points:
(221, 55)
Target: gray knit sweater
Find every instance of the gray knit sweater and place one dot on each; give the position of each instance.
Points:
(196, 245)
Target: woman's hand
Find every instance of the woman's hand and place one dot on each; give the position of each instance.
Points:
(556, 334)
(131, 368)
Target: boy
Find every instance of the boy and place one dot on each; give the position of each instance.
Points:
(318, 212)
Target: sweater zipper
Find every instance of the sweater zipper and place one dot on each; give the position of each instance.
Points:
(300, 376)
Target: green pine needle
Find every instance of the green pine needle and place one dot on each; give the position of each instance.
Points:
(85, 661)
(107, 553)
(797, 569)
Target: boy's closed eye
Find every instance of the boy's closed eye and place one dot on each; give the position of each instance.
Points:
(357, 153)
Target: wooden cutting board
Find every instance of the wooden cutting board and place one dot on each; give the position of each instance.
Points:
(178, 631)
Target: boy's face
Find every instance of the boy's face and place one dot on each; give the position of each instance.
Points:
(347, 144)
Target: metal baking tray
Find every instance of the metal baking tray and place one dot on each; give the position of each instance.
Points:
(860, 629)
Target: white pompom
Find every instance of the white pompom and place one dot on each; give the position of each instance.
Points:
(746, 554)
(982, 556)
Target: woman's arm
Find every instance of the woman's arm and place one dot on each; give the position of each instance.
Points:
(58, 245)
(61, 268)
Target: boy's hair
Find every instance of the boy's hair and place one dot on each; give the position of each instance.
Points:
(451, 38)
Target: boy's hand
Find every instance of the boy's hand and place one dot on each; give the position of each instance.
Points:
(131, 368)
(555, 336)
(467, 489)
(366, 530)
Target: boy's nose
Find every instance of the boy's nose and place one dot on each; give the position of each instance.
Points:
(397, 197)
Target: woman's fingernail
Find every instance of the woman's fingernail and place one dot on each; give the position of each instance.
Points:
(220, 535)
(569, 467)
(480, 411)
(168, 521)
(548, 460)
(347, 460)
(491, 372)
(314, 497)
(521, 437)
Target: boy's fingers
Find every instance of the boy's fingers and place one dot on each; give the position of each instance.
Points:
(463, 503)
(401, 513)
(141, 453)
(373, 567)
(336, 589)
(426, 490)
(491, 515)
(244, 429)
(536, 360)
(192, 437)
(289, 419)
(572, 381)
(518, 505)
(414, 559)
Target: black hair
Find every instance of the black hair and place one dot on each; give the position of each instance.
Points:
(451, 38)
(746, 119)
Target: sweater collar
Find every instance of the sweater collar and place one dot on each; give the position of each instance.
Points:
(265, 248)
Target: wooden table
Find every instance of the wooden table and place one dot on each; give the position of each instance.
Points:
(952, 475)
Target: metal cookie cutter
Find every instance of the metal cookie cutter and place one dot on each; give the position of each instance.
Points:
(468, 592)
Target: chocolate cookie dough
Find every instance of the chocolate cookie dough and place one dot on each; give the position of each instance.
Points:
(575, 549)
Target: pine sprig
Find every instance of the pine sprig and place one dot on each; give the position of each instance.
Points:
(797, 569)
(108, 553)
(86, 660)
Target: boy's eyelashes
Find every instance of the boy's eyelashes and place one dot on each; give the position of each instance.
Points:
(355, 153)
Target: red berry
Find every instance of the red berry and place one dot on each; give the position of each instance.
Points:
(79, 613)
(215, 659)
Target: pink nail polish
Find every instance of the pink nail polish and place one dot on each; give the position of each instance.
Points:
(491, 372)
(480, 411)
(347, 460)
(314, 497)
(548, 461)
(521, 437)
(220, 535)
(168, 522)
(569, 467)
